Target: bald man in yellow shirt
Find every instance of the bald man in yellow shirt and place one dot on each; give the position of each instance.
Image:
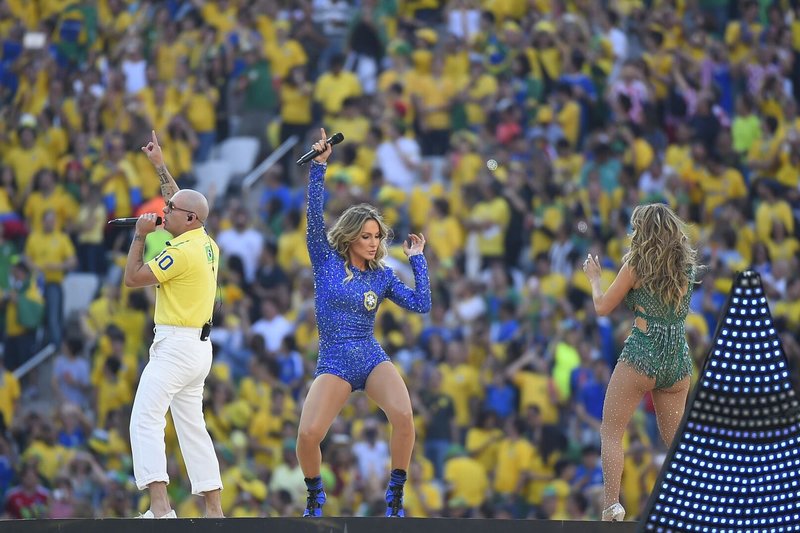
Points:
(185, 275)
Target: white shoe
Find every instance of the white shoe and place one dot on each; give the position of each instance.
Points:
(149, 514)
(615, 513)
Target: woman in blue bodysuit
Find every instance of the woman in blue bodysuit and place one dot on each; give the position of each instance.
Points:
(350, 280)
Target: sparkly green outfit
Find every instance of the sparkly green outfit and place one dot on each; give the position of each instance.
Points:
(661, 352)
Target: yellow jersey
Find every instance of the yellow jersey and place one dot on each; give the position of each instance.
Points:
(187, 274)
(48, 458)
(514, 458)
(112, 393)
(295, 104)
(461, 383)
(536, 389)
(47, 250)
(60, 201)
(332, 90)
(9, 394)
(468, 480)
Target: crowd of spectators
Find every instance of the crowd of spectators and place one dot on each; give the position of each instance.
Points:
(515, 135)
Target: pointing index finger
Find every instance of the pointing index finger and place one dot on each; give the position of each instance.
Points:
(155, 139)
(324, 135)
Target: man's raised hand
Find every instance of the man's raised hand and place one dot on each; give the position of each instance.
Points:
(153, 151)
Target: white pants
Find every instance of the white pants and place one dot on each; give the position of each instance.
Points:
(174, 378)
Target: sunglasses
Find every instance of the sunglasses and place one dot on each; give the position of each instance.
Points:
(172, 207)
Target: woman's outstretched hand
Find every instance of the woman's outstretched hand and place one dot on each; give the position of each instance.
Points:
(591, 267)
(417, 244)
(322, 147)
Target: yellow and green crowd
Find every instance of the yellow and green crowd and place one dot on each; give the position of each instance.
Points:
(516, 135)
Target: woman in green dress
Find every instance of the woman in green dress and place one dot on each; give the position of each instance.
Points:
(655, 281)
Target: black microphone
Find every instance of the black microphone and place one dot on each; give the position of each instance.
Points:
(131, 221)
(311, 154)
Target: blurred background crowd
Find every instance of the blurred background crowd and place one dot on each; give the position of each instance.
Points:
(588, 108)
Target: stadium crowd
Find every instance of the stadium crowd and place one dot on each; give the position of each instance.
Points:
(515, 135)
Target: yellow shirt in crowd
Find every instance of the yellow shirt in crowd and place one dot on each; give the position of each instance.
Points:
(461, 383)
(535, 390)
(9, 394)
(719, 189)
(468, 479)
(46, 250)
(491, 241)
(514, 458)
(295, 104)
(49, 459)
(201, 111)
(60, 202)
(488, 442)
(435, 93)
(332, 90)
(26, 163)
(283, 57)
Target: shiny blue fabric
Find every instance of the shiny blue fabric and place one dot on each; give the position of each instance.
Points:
(345, 311)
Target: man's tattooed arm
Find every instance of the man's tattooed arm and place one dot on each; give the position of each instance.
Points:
(135, 259)
(168, 185)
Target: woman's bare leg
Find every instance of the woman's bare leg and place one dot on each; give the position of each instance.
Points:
(625, 391)
(387, 389)
(670, 404)
(324, 401)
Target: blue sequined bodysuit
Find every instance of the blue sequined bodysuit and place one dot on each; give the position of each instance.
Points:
(346, 311)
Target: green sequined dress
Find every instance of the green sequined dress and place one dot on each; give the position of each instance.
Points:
(661, 352)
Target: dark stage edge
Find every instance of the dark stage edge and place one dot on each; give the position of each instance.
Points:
(320, 525)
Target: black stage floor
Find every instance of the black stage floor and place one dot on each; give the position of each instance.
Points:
(324, 525)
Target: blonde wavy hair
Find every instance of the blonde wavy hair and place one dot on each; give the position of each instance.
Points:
(660, 255)
(349, 227)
